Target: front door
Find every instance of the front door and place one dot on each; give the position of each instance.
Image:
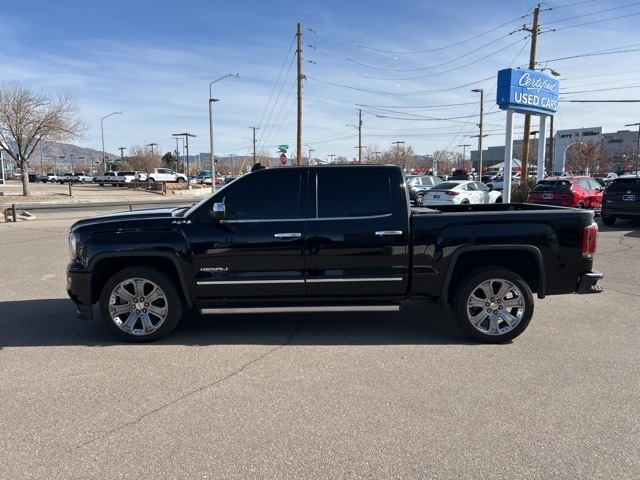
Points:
(256, 252)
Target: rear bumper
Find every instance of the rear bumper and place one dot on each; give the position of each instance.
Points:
(587, 282)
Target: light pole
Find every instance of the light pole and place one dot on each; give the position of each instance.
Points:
(152, 145)
(310, 151)
(186, 141)
(359, 147)
(211, 100)
(104, 163)
(481, 92)
(637, 144)
(464, 152)
(534, 145)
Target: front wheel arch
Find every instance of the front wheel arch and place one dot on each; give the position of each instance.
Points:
(140, 304)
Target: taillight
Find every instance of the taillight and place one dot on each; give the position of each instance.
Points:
(449, 192)
(589, 240)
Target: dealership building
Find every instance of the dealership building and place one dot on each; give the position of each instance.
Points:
(621, 149)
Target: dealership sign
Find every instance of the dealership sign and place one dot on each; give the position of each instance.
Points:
(527, 91)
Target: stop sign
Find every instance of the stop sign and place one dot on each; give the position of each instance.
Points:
(283, 159)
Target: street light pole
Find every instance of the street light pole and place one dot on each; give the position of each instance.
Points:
(186, 138)
(637, 144)
(464, 152)
(211, 100)
(481, 92)
(104, 163)
(152, 145)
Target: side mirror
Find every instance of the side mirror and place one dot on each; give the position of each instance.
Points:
(219, 212)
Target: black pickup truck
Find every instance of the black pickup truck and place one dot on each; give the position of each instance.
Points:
(303, 239)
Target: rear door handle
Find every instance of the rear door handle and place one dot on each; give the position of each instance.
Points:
(288, 235)
(386, 233)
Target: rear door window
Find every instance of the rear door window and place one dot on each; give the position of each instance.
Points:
(352, 194)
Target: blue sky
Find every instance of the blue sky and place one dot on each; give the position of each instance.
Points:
(409, 66)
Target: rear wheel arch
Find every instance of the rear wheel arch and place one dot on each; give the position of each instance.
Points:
(524, 260)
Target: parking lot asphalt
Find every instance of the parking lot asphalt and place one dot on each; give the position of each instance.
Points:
(317, 396)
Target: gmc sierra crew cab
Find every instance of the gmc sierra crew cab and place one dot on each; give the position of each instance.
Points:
(303, 239)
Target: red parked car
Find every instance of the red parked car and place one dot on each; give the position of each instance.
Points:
(577, 192)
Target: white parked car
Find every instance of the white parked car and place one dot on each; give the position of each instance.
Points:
(456, 192)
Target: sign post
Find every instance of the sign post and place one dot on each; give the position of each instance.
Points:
(529, 92)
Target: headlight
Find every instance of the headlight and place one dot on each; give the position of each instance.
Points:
(74, 246)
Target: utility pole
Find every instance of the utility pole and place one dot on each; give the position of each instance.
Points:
(527, 118)
(300, 78)
(254, 143)
(122, 149)
(359, 136)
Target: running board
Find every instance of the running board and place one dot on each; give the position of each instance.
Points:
(302, 309)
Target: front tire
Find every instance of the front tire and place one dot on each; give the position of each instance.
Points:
(140, 304)
(494, 305)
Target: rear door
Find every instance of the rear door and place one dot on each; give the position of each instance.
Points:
(356, 243)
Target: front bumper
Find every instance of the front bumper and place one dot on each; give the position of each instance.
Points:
(587, 283)
(79, 291)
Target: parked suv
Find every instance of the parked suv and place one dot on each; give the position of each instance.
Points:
(577, 192)
(418, 185)
(621, 199)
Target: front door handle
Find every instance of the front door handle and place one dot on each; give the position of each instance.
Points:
(288, 235)
(386, 233)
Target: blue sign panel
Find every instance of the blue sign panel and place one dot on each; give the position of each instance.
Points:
(527, 91)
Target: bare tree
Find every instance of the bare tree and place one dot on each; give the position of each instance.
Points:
(26, 118)
(585, 158)
(142, 159)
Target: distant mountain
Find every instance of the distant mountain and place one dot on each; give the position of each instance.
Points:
(62, 155)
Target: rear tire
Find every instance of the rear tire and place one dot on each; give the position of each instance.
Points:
(140, 304)
(610, 220)
(494, 305)
(418, 199)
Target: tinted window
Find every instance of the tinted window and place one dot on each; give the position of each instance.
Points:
(357, 194)
(275, 198)
(446, 186)
(560, 186)
(618, 186)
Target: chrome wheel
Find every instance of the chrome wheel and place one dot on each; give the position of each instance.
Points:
(140, 304)
(494, 305)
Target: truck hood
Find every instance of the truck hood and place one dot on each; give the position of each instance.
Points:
(133, 219)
